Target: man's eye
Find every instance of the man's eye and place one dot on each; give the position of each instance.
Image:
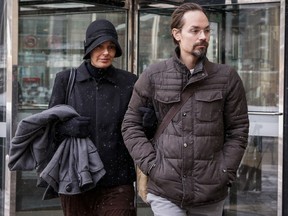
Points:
(195, 31)
(198, 31)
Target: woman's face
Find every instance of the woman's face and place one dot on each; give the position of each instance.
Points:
(102, 56)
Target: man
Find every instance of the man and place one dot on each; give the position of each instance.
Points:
(194, 161)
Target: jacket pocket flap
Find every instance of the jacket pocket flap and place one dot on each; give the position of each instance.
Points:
(167, 97)
(208, 96)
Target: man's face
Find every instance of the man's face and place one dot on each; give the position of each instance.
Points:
(194, 36)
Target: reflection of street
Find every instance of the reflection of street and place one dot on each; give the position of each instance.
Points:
(253, 203)
(28, 200)
(2, 139)
(2, 201)
(2, 96)
(33, 92)
(255, 191)
(2, 153)
(249, 172)
(2, 113)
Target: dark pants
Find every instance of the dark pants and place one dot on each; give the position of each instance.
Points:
(115, 201)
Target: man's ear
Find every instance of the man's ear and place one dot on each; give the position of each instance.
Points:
(176, 34)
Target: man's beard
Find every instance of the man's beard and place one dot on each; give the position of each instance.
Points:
(200, 53)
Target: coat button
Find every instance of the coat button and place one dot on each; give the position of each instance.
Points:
(68, 188)
(185, 145)
(224, 170)
(184, 114)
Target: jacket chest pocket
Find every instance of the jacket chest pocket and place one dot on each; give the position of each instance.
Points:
(164, 101)
(209, 105)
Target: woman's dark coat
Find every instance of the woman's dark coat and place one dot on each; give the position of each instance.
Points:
(105, 101)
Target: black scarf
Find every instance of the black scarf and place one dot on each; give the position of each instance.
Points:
(97, 73)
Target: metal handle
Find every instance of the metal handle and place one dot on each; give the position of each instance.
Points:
(264, 113)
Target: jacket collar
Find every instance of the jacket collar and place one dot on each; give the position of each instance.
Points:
(199, 67)
(83, 74)
(200, 71)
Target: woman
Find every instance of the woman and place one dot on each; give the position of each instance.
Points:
(100, 95)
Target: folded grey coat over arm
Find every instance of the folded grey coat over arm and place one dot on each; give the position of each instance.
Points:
(72, 168)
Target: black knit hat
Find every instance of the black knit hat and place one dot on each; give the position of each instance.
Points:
(100, 31)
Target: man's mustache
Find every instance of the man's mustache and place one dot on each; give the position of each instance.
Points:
(201, 44)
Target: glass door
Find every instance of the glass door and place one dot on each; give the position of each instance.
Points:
(2, 104)
(253, 32)
(245, 36)
(51, 39)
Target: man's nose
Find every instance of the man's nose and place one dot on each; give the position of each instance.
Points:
(202, 34)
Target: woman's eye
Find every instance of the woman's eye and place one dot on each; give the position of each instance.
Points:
(98, 47)
(112, 47)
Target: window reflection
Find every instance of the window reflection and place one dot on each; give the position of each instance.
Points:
(253, 35)
(2, 95)
(255, 191)
(2, 174)
(2, 137)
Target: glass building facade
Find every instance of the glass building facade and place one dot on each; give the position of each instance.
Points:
(39, 39)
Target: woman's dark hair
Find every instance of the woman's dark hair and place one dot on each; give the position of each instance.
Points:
(177, 15)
